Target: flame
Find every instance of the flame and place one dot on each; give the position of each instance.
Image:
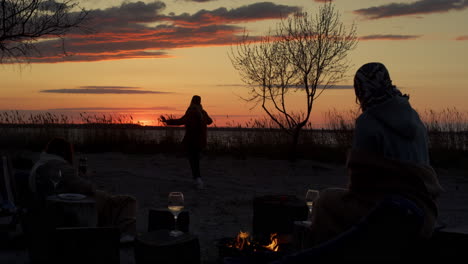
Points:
(242, 240)
(273, 246)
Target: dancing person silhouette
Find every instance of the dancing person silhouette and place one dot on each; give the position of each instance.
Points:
(195, 121)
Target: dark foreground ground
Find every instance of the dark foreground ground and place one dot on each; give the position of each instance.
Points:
(224, 207)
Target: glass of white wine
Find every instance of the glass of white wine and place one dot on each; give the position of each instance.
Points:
(175, 205)
(55, 179)
(310, 198)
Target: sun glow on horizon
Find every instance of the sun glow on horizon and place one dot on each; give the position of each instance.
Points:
(187, 54)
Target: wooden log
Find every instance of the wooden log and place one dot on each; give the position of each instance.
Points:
(159, 247)
(162, 218)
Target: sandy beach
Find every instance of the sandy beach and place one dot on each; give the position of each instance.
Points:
(224, 206)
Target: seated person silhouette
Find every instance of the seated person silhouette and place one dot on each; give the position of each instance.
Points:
(57, 159)
(389, 157)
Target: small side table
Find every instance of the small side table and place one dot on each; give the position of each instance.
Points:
(301, 228)
(159, 247)
(276, 214)
(162, 218)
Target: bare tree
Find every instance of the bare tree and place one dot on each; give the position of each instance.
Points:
(23, 23)
(306, 54)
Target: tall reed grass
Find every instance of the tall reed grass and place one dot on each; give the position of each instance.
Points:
(448, 129)
(448, 134)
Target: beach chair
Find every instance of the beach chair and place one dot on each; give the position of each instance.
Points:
(10, 213)
(85, 245)
(389, 233)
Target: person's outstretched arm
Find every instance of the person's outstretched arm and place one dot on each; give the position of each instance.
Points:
(173, 121)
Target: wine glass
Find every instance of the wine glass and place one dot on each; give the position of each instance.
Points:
(175, 205)
(310, 197)
(55, 179)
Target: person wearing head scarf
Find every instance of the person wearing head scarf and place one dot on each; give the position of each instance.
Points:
(388, 124)
(389, 157)
(195, 121)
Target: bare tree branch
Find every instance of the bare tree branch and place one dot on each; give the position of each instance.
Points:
(304, 53)
(23, 23)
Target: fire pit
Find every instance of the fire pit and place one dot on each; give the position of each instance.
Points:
(273, 225)
(246, 247)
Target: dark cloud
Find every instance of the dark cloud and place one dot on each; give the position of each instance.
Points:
(231, 85)
(389, 37)
(200, 1)
(140, 30)
(103, 90)
(127, 16)
(51, 5)
(109, 87)
(342, 87)
(253, 12)
(413, 8)
(462, 37)
(337, 86)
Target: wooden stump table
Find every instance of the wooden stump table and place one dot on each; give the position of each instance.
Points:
(162, 218)
(276, 214)
(159, 247)
(300, 233)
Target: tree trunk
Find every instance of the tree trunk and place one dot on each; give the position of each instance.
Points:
(295, 140)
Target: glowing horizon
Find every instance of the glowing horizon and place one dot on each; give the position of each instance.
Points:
(154, 55)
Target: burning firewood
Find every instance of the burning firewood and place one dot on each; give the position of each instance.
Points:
(243, 241)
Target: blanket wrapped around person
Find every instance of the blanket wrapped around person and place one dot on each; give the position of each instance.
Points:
(371, 179)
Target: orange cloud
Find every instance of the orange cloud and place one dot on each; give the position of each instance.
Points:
(462, 37)
(140, 30)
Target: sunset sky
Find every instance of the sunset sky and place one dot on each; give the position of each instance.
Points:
(147, 58)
